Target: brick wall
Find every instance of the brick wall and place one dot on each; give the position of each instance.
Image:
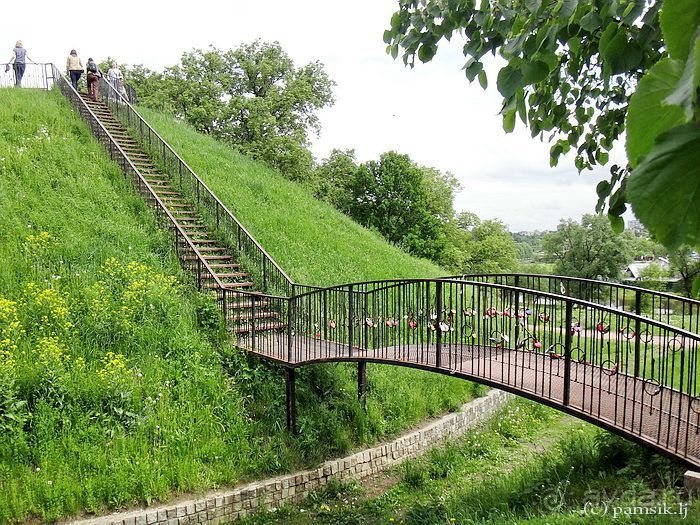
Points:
(225, 506)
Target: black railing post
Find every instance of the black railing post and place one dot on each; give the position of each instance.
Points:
(325, 315)
(637, 329)
(517, 311)
(351, 318)
(252, 322)
(362, 384)
(291, 399)
(365, 317)
(567, 352)
(224, 305)
(199, 274)
(438, 322)
(264, 268)
(290, 325)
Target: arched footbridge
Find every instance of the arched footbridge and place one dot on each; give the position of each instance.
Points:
(623, 358)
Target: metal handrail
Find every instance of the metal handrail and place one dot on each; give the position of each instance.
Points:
(65, 85)
(665, 295)
(35, 76)
(586, 304)
(165, 146)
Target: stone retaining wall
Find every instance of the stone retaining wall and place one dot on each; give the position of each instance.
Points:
(225, 506)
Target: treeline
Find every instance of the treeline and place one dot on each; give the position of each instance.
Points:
(590, 249)
(257, 101)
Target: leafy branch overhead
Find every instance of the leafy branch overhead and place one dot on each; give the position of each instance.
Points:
(581, 72)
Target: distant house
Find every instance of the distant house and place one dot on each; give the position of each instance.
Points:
(635, 270)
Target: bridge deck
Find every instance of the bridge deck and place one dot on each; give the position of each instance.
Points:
(657, 416)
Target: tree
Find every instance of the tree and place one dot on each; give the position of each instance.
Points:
(491, 249)
(590, 249)
(333, 176)
(584, 71)
(252, 97)
(476, 246)
(643, 248)
(391, 196)
(687, 264)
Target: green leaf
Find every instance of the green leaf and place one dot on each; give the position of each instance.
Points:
(509, 121)
(426, 52)
(387, 36)
(473, 69)
(508, 81)
(619, 54)
(394, 51)
(696, 287)
(483, 80)
(603, 189)
(590, 21)
(534, 72)
(648, 116)
(567, 8)
(521, 107)
(533, 5)
(684, 94)
(679, 19)
(664, 189)
(616, 223)
(395, 21)
(628, 9)
(633, 11)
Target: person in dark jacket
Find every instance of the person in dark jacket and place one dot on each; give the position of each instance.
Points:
(93, 79)
(19, 62)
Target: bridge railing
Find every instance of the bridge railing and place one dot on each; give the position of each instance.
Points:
(632, 373)
(660, 306)
(186, 251)
(268, 275)
(36, 75)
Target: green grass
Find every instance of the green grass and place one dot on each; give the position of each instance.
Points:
(530, 465)
(313, 242)
(117, 386)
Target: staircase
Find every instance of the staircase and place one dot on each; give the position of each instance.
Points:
(247, 313)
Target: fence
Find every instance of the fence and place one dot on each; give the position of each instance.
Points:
(269, 275)
(36, 75)
(624, 371)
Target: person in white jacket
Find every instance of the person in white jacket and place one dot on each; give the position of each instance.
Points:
(74, 68)
(116, 78)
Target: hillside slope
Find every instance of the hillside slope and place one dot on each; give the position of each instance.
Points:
(116, 385)
(311, 240)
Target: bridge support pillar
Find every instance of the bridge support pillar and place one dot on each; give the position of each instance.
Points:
(291, 399)
(362, 384)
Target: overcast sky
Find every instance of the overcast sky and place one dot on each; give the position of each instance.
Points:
(431, 112)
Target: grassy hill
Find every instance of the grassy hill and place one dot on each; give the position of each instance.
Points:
(312, 241)
(116, 384)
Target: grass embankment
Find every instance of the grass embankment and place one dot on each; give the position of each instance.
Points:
(313, 242)
(116, 386)
(531, 465)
